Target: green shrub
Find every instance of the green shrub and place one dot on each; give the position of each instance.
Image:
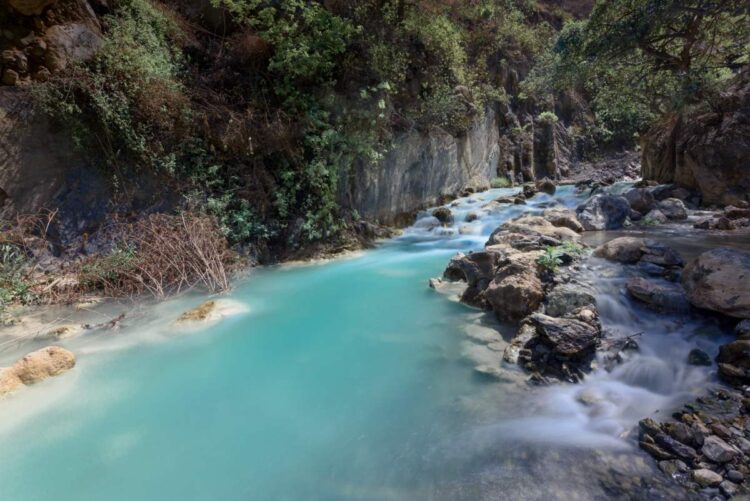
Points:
(14, 286)
(127, 103)
(500, 182)
(548, 117)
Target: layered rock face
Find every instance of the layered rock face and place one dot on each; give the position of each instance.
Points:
(421, 169)
(706, 149)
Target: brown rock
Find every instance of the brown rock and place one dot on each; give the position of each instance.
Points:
(35, 367)
(563, 218)
(622, 250)
(199, 313)
(718, 280)
(516, 290)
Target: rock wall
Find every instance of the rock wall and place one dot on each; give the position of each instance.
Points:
(707, 149)
(421, 170)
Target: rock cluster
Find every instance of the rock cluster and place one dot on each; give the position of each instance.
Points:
(706, 447)
(35, 367)
(559, 326)
(730, 218)
(44, 41)
(657, 204)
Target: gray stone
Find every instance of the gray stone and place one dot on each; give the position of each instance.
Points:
(735, 476)
(603, 212)
(718, 280)
(728, 488)
(655, 216)
(716, 450)
(662, 297)
(673, 208)
(706, 477)
(568, 297)
(678, 448)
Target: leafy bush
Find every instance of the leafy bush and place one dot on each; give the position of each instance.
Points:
(128, 102)
(14, 288)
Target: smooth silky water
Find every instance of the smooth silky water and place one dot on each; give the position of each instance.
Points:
(349, 379)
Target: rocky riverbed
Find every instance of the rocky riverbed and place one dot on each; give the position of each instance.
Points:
(538, 273)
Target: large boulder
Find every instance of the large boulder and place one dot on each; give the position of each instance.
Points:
(603, 212)
(546, 186)
(718, 280)
(640, 199)
(36, 367)
(516, 290)
(71, 43)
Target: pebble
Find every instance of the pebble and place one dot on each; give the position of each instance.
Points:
(706, 478)
(735, 476)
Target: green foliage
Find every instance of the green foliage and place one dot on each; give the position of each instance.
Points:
(108, 269)
(548, 117)
(14, 287)
(128, 101)
(500, 182)
(640, 59)
(552, 258)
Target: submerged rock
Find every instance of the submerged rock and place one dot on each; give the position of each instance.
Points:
(36, 367)
(663, 297)
(444, 215)
(699, 357)
(603, 212)
(546, 186)
(718, 280)
(200, 313)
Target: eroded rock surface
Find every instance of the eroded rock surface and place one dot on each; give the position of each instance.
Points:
(35, 367)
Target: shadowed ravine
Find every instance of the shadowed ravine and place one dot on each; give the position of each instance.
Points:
(345, 380)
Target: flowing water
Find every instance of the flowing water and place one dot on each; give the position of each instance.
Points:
(349, 379)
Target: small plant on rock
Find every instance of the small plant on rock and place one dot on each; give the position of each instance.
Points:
(551, 259)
